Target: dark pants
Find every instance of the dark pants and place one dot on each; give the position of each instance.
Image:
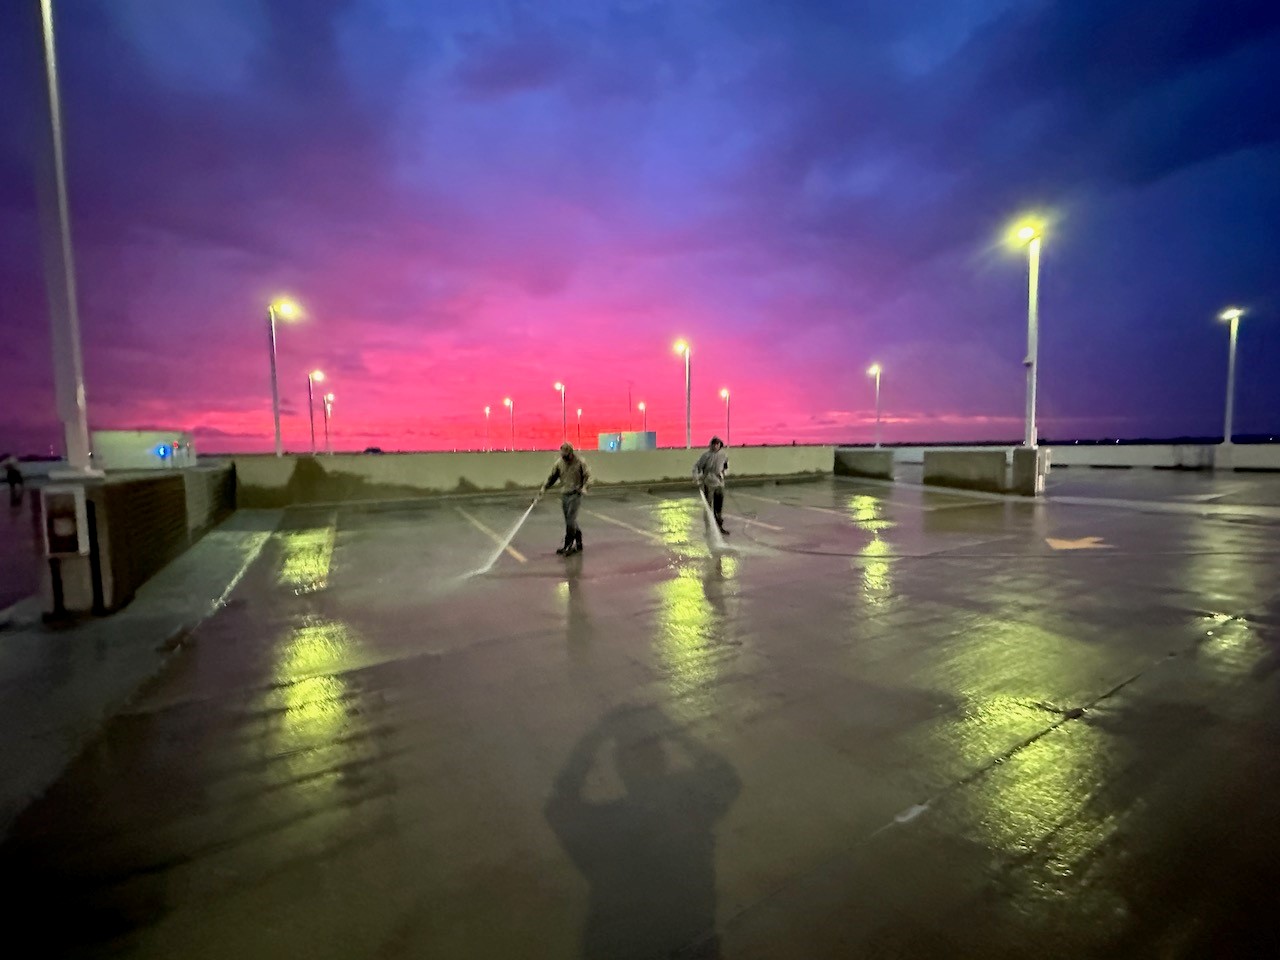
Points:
(15, 487)
(569, 503)
(715, 497)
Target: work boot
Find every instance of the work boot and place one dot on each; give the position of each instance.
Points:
(568, 546)
(577, 546)
(723, 531)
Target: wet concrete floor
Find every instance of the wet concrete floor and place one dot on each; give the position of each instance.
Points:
(891, 724)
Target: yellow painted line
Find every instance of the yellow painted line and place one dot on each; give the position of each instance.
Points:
(1084, 543)
(492, 536)
(626, 526)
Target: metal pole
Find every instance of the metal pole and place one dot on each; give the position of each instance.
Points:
(728, 433)
(64, 318)
(1033, 338)
(513, 424)
(645, 414)
(564, 419)
(688, 399)
(1227, 430)
(579, 428)
(486, 428)
(877, 409)
(328, 446)
(275, 388)
(311, 415)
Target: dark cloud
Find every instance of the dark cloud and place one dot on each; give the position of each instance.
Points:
(797, 184)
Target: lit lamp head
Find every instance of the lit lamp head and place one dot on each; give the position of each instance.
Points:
(1025, 231)
(328, 398)
(285, 309)
(579, 411)
(682, 348)
(641, 406)
(506, 401)
(1231, 313)
(724, 394)
(558, 386)
(486, 411)
(873, 370)
(316, 375)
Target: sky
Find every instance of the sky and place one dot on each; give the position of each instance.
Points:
(474, 199)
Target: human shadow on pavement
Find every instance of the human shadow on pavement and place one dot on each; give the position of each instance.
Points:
(648, 855)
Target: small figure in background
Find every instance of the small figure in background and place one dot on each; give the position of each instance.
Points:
(13, 477)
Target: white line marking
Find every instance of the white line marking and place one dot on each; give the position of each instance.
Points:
(626, 526)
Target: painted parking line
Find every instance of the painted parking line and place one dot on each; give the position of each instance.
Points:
(922, 508)
(760, 523)
(492, 536)
(796, 506)
(626, 526)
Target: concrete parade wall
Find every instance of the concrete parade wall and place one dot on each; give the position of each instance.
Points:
(877, 464)
(138, 522)
(1168, 456)
(968, 469)
(264, 480)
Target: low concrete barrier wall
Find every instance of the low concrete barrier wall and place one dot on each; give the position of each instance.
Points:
(876, 464)
(1251, 456)
(1167, 456)
(1161, 456)
(264, 480)
(968, 469)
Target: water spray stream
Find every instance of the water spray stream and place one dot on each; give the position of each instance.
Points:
(714, 537)
(506, 540)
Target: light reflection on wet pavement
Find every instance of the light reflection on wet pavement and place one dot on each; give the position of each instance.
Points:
(894, 723)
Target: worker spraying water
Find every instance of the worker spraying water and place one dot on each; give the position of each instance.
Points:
(708, 476)
(571, 472)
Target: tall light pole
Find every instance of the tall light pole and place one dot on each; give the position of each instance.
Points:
(1030, 234)
(564, 420)
(645, 417)
(1232, 316)
(579, 426)
(285, 310)
(728, 435)
(328, 412)
(64, 316)
(874, 371)
(683, 348)
(314, 377)
(486, 428)
(510, 405)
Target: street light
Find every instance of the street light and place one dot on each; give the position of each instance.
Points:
(64, 317)
(510, 405)
(684, 349)
(579, 427)
(328, 412)
(874, 371)
(486, 427)
(1030, 233)
(314, 377)
(1232, 316)
(285, 310)
(728, 436)
(645, 417)
(564, 420)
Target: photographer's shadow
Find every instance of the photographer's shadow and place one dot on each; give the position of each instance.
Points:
(649, 855)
